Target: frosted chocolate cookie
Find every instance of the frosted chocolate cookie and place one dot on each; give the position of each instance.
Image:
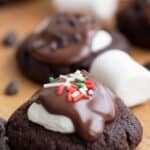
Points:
(74, 112)
(64, 43)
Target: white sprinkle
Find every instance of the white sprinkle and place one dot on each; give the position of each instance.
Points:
(82, 90)
(85, 88)
(75, 94)
(78, 72)
(63, 77)
(77, 75)
(53, 84)
(73, 76)
(68, 79)
(90, 92)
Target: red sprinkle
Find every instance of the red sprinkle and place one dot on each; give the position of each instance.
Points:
(85, 96)
(90, 84)
(71, 89)
(78, 98)
(74, 86)
(69, 95)
(60, 90)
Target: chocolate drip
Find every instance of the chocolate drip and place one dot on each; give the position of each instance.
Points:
(89, 116)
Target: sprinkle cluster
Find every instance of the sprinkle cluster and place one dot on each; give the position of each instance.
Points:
(76, 85)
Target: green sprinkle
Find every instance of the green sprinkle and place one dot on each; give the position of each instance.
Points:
(80, 84)
(51, 79)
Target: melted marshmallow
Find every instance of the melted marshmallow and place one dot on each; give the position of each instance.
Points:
(101, 40)
(57, 123)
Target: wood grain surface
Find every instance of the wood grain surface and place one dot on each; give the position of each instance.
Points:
(23, 18)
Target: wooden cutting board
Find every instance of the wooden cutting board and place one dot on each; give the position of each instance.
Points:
(23, 18)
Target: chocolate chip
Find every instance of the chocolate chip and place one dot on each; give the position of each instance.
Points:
(61, 39)
(10, 39)
(53, 45)
(147, 65)
(12, 88)
(77, 37)
(80, 17)
(73, 22)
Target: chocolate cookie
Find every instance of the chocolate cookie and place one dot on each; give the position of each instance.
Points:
(3, 138)
(100, 120)
(64, 43)
(134, 21)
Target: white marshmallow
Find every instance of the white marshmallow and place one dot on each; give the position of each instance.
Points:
(57, 123)
(104, 9)
(101, 40)
(128, 79)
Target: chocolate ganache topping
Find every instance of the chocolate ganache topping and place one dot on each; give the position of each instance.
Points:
(64, 36)
(85, 101)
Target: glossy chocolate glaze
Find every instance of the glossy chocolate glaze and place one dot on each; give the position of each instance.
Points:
(65, 40)
(89, 116)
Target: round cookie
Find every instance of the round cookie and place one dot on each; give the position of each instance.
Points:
(134, 22)
(122, 131)
(64, 43)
